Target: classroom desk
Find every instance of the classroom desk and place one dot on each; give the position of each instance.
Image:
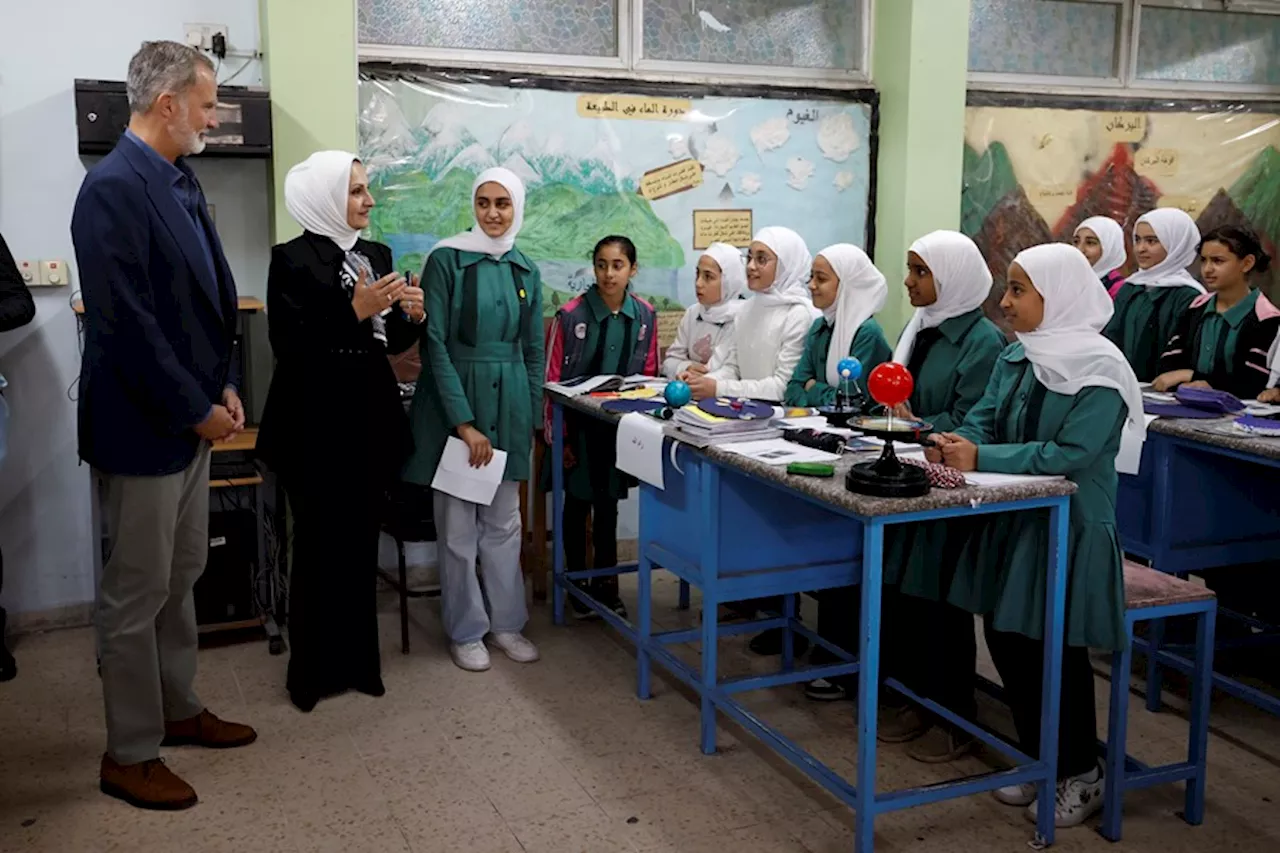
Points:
(1203, 501)
(740, 529)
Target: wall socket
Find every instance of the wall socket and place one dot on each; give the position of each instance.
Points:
(200, 36)
(44, 273)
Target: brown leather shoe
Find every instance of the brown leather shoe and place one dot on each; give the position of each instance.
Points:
(205, 729)
(147, 785)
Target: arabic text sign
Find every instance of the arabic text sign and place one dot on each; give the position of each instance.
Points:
(1156, 162)
(1123, 127)
(721, 226)
(669, 180)
(633, 107)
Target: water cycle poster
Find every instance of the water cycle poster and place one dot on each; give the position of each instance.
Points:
(1033, 173)
(670, 171)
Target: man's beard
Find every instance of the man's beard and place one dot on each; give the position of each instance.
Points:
(189, 141)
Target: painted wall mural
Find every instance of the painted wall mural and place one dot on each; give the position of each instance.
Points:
(672, 173)
(1032, 174)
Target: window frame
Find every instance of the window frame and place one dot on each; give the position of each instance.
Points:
(630, 62)
(1124, 78)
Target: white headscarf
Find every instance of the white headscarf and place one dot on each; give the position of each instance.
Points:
(961, 278)
(476, 240)
(1181, 239)
(315, 194)
(733, 284)
(1067, 351)
(790, 284)
(861, 295)
(1111, 237)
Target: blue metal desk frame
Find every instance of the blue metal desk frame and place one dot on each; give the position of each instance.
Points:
(1185, 512)
(788, 579)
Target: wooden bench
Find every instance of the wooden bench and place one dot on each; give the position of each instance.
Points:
(1152, 595)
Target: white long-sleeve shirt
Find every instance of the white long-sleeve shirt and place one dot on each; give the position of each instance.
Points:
(696, 342)
(763, 351)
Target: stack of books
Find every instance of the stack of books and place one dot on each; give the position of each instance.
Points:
(703, 430)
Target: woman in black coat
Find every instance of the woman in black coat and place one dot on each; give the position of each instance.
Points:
(333, 430)
(17, 308)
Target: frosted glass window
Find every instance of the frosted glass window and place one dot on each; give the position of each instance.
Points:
(576, 27)
(1052, 37)
(798, 34)
(1208, 47)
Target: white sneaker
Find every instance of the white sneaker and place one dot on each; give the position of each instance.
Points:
(514, 646)
(1075, 802)
(1023, 794)
(473, 657)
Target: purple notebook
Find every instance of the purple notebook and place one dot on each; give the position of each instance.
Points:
(622, 407)
(1176, 410)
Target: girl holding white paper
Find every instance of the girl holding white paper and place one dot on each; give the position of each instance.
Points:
(481, 382)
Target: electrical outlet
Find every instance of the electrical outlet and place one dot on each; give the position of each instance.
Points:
(53, 273)
(30, 271)
(200, 36)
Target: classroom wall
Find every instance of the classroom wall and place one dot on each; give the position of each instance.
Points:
(44, 491)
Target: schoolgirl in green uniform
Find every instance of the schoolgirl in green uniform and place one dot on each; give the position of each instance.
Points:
(1056, 404)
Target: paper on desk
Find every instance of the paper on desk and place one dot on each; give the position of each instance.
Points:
(976, 478)
(1129, 457)
(1261, 410)
(778, 451)
(455, 476)
(639, 447)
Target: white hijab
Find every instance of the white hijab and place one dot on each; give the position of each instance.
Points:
(1181, 239)
(476, 240)
(1111, 237)
(961, 277)
(315, 194)
(1068, 352)
(861, 294)
(733, 284)
(790, 285)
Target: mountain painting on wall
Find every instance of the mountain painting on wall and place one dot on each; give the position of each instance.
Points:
(426, 139)
(988, 178)
(1243, 192)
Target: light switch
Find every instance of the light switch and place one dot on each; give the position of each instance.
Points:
(53, 273)
(30, 272)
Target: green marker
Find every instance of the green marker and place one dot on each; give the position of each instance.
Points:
(811, 469)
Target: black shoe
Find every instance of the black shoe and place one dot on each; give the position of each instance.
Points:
(8, 666)
(371, 688)
(303, 701)
(768, 643)
(823, 690)
(616, 605)
(581, 612)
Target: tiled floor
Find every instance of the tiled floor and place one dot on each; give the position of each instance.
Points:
(557, 757)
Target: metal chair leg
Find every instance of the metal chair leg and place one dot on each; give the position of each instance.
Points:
(404, 597)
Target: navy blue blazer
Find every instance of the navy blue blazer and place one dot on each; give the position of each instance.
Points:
(159, 330)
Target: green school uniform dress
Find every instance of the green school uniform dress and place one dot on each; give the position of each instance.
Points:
(951, 363)
(868, 346)
(1021, 427)
(482, 358)
(1144, 320)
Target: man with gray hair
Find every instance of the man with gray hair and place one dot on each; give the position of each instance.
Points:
(157, 387)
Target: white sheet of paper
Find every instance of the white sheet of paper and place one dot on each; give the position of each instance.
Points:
(982, 478)
(640, 448)
(1262, 410)
(778, 451)
(1129, 457)
(455, 476)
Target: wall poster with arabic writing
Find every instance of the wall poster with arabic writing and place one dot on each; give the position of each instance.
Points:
(671, 169)
(1036, 167)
